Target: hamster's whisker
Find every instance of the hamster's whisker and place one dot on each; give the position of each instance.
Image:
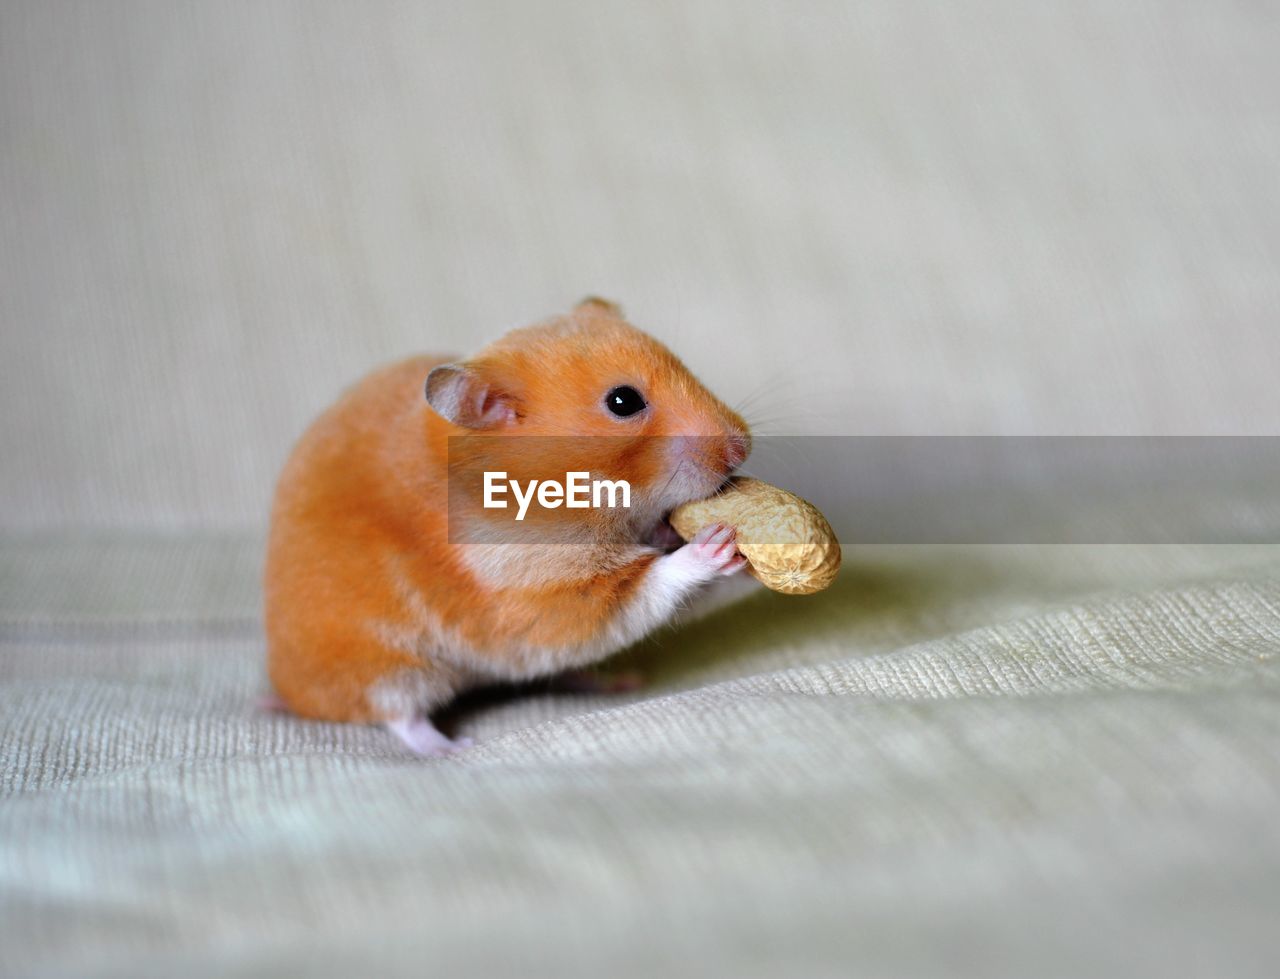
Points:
(670, 479)
(770, 388)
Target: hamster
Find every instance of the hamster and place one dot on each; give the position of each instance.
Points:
(376, 613)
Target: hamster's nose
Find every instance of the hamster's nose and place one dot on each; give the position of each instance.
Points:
(736, 449)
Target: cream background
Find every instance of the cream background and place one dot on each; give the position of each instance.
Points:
(886, 217)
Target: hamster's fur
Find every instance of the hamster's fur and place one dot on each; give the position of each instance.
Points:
(375, 613)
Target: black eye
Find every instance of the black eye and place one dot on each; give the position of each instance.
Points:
(624, 401)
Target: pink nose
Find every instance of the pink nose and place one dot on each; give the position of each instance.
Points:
(736, 449)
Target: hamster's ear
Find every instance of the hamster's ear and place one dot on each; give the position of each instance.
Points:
(600, 305)
(461, 395)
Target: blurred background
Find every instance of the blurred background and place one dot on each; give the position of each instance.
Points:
(862, 218)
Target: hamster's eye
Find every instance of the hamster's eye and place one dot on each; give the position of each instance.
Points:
(624, 401)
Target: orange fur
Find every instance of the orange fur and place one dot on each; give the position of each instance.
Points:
(369, 604)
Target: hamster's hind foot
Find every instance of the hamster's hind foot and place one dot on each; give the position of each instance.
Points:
(422, 737)
(597, 681)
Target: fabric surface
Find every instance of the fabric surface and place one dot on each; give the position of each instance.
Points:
(1056, 761)
(880, 218)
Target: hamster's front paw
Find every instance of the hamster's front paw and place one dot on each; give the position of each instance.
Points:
(711, 552)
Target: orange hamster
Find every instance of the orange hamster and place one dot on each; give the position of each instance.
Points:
(377, 611)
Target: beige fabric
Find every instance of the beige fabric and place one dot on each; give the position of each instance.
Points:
(879, 217)
(957, 761)
(873, 217)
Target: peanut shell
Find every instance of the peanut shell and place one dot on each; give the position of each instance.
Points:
(788, 544)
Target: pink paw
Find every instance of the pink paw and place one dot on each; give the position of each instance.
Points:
(422, 737)
(271, 703)
(713, 551)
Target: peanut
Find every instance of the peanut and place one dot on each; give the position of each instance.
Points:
(788, 544)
